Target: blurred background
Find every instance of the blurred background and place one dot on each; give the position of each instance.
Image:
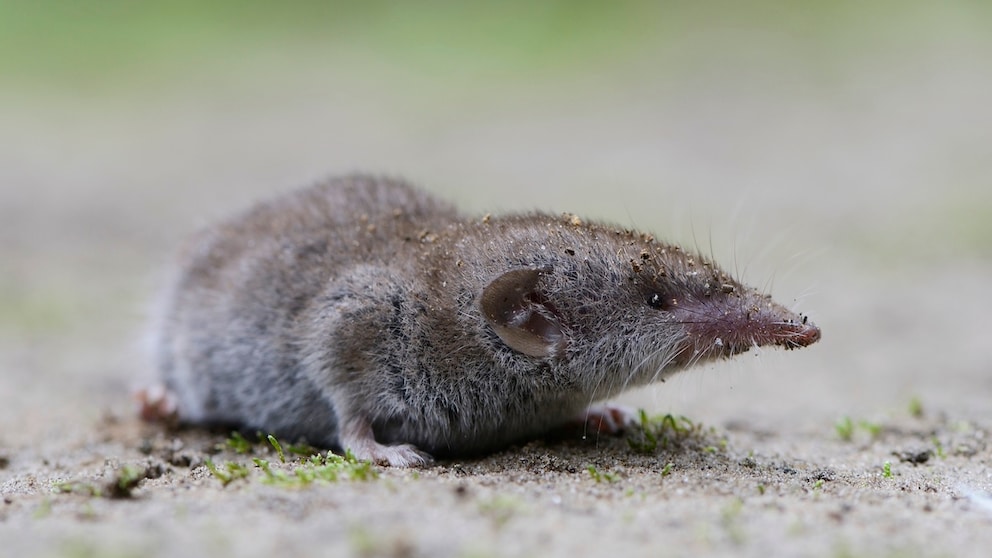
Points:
(836, 153)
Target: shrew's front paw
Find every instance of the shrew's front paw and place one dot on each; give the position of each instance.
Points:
(357, 436)
(403, 455)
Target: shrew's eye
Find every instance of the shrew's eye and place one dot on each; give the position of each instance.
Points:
(656, 301)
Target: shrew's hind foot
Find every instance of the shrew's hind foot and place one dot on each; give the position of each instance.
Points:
(606, 419)
(156, 403)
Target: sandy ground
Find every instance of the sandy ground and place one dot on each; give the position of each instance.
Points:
(860, 196)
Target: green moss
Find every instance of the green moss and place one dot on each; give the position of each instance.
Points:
(601, 476)
(238, 443)
(78, 487)
(662, 431)
(127, 480)
(938, 448)
(874, 429)
(309, 466)
(916, 407)
(228, 472)
(845, 429)
(124, 481)
(276, 446)
(327, 468)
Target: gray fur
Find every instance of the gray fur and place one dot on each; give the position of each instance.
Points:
(360, 299)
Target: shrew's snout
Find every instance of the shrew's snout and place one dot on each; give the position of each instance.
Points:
(799, 333)
(725, 327)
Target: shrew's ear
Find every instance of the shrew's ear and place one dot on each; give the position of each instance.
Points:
(521, 316)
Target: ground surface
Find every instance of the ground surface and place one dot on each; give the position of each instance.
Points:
(843, 165)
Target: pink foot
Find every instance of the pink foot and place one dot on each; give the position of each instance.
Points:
(610, 420)
(607, 419)
(157, 404)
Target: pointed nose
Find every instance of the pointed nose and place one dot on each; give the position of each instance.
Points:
(732, 325)
(795, 334)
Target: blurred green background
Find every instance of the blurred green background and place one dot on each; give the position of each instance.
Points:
(836, 151)
(105, 44)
